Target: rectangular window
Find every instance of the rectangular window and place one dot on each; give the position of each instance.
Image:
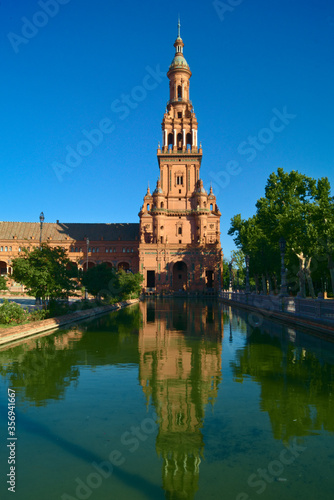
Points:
(19, 249)
(97, 249)
(10, 249)
(1, 249)
(6, 249)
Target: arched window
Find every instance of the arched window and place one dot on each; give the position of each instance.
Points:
(180, 230)
(179, 92)
(179, 141)
(170, 141)
(211, 207)
(148, 207)
(189, 141)
(162, 204)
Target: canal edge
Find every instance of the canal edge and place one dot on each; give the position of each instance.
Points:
(21, 332)
(318, 329)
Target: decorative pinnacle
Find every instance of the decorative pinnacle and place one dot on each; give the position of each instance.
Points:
(179, 28)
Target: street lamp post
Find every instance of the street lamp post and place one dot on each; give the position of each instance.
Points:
(237, 280)
(41, 220)
(247, 288)
(282, 246)
(87, 242)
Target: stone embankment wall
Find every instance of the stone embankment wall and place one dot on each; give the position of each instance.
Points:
(15, 333)
(314, 314)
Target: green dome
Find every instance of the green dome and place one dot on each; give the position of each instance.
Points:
(179, 62)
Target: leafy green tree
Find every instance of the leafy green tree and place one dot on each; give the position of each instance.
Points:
(105, 282)
(323, 220)
(253, 241)
(298, 208)
(238, 262)
(97, 279)
(226, 274)
(129, 284)
(45, 272)
(285, 211)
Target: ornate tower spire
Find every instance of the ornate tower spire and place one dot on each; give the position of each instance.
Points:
(179, 214)
(179, 125)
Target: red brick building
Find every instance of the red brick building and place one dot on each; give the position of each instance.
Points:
(176, 245)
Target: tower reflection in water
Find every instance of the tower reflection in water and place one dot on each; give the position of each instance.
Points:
(180, 351)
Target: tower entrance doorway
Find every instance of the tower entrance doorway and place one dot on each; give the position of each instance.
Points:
(209, 279)
(150, 279)
(179, 276)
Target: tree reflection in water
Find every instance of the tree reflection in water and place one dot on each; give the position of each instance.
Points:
(295, 381)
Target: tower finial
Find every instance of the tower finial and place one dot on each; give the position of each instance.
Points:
(179, 28)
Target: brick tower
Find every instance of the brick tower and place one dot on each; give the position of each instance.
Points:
(179, 246)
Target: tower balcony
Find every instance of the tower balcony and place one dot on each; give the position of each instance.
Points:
(180, 99)
(174, 151)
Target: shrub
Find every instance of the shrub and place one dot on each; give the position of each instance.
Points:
(38, 315)
(12, 313)
(3, 283)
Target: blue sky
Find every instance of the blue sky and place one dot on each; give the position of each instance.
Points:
(262, 90)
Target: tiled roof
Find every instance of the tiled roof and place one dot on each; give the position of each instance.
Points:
(69, 231)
